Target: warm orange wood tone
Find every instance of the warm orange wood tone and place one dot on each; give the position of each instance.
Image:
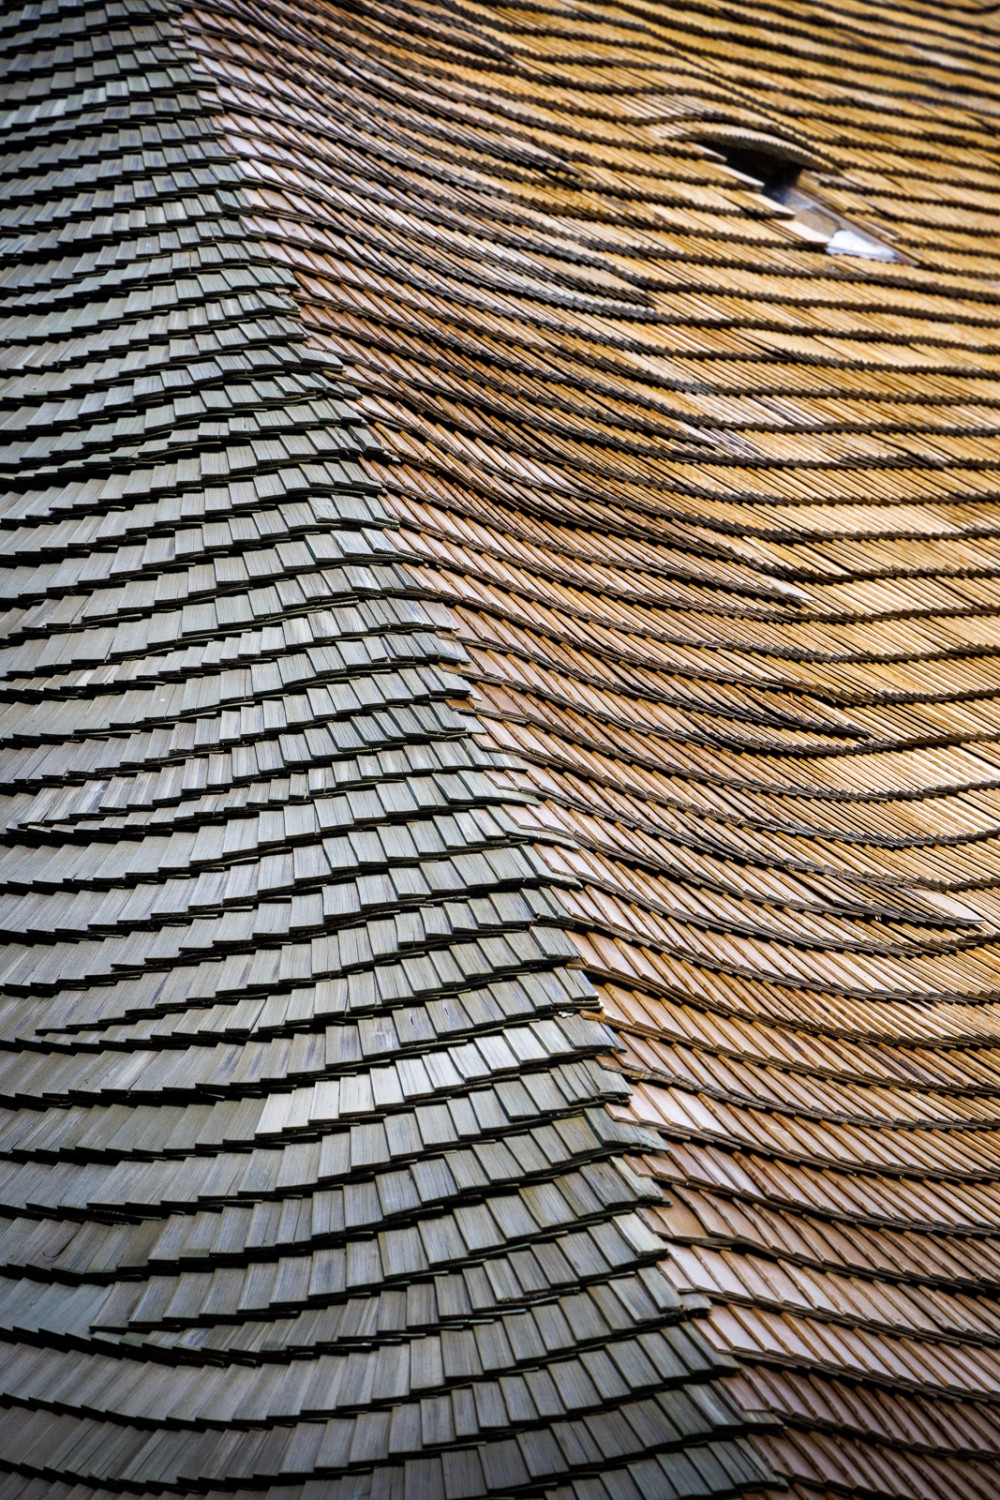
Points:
(717, 515)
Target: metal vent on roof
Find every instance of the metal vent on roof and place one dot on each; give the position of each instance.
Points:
(779, 172)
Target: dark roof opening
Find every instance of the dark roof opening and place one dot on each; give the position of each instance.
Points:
(784, 178)
(771, 171)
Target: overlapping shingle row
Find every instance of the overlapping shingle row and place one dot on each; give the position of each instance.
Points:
(716, 514)
(310, 1186)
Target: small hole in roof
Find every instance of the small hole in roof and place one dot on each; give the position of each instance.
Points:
(779, 178)
(766, 169)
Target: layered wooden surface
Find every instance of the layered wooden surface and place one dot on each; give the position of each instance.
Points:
(310, 1185)
(716, 515)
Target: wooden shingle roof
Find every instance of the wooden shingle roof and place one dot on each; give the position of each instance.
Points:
(500, 752)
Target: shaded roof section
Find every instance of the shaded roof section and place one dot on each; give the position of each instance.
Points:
(500, 754)
(310, 1185)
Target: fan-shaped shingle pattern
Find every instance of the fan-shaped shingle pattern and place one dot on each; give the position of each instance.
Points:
(310, 1185)
(716, 515)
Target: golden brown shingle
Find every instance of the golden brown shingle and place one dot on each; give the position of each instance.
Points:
(714, 511)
